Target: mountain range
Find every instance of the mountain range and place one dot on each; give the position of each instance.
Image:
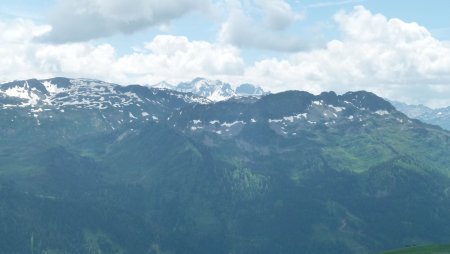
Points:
(214, 90)
(92, 167)
(439, 116)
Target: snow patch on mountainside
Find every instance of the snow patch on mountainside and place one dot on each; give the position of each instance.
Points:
(79, 93)
(381, 112)
(52, 88)
(23, 92)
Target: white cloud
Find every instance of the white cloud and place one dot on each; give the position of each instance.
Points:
(243, 29)
(171, 58)
(82, 20)
(392, 58)
(278, 13)
(388, 56)
(175, 58)
(21, 31)
(17, 48)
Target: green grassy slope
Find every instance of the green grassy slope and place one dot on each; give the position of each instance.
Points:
(432, 249)
(350, 188)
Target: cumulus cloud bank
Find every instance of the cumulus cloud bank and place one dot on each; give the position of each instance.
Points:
(166, 57)
(390, 57)
(393, 58)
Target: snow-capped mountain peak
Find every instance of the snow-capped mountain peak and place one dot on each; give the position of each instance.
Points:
(164, 85)
(216, 90)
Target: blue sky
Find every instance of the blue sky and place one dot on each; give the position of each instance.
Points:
(398, 49)
(318, 17)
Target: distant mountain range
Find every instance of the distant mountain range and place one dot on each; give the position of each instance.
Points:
(440, 116)
(92, 167)
(214, 90)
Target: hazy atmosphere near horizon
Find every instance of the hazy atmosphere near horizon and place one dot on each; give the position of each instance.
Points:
(397, 49)
(224, 127)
